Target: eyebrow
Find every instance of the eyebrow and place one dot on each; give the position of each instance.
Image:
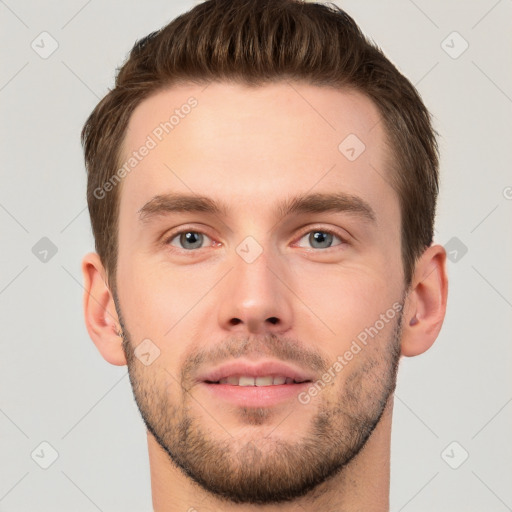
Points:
(306, 203)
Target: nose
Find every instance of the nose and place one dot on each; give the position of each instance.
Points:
(255, 298)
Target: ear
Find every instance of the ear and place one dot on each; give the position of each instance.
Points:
(425, 306)
(99, 311)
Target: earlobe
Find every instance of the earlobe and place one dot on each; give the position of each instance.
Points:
(100, 314)
(426, 302)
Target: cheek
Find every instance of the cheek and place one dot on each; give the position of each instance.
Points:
(161, 301)
(345, 301)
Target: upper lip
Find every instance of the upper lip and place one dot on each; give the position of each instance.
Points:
(255, 369)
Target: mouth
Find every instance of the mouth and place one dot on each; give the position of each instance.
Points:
(267, 380)
(255, 384)
(256, 373)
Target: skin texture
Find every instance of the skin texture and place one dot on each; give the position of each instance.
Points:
(299, 301)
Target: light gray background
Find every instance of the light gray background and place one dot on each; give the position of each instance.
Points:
(54, 385)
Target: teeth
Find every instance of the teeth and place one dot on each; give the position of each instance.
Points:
(279, 380)
(246, 381)
(256, 381)
(264, 381)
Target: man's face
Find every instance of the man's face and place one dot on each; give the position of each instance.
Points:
(256, 291)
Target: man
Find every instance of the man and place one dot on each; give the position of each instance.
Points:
(262, 185)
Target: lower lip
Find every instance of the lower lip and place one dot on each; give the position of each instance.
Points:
(256, 396)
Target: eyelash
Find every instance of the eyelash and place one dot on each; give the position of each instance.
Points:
(170, 238)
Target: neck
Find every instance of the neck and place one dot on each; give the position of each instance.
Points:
(362, 485)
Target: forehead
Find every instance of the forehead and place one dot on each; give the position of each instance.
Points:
(248, 145)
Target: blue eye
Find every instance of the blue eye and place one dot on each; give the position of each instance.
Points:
(188, 240)
(321, 239)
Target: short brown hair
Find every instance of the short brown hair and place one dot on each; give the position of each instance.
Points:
(256, 42)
